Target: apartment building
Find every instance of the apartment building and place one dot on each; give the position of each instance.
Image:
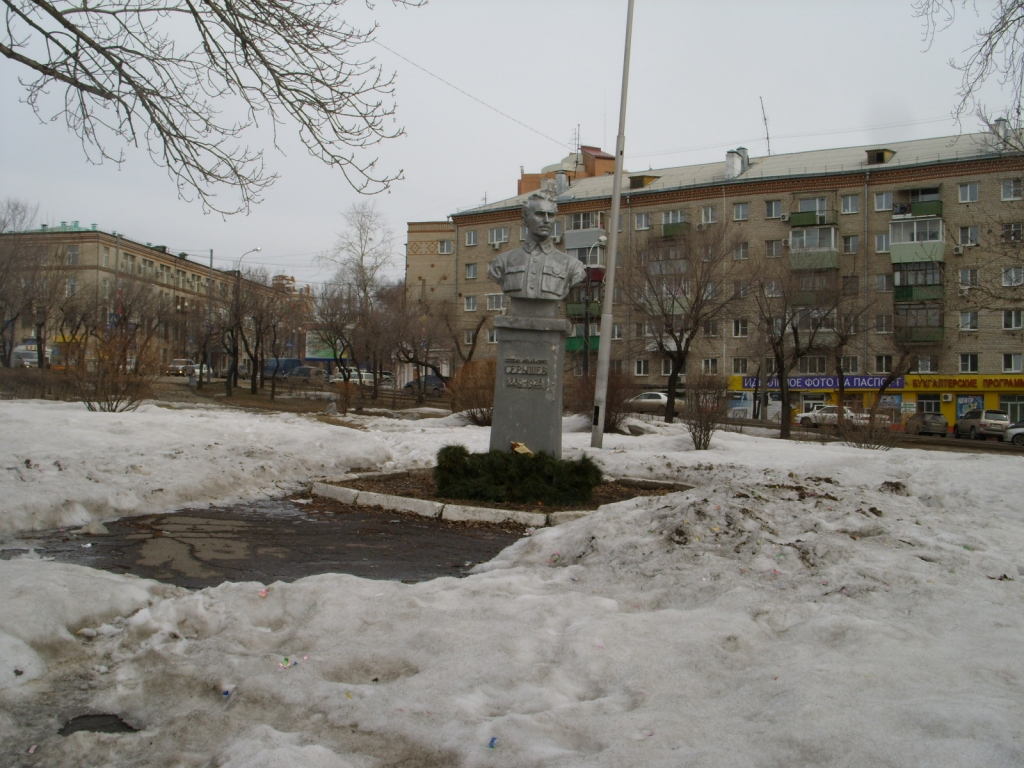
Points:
(925, 237)
(92, 263)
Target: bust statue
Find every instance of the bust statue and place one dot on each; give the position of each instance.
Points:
(536, 269)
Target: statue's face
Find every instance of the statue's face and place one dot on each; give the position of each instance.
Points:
(540, 219)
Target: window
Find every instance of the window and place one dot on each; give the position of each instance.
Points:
(969, 321)
(883, 283)
(710, 365)
(739, 365)
(523, 232)
(616, 366)
(969, 192)
(589, 220)
(616, 331)
(1013, 233)
(1012, 319)
(919, 231)
(1013, 276)
(106, 256)
(773, 289)
(968, 278)
(850, 243)
(927, 364)
(851, 285)
(708, 214)
(928, 404)
(773, 249)
(1014, 407)
(1011, 362)
(471, 237)
(773, 209)
(883, 201)
(739, 328)
(471, 271)
(72, 256)
(71, 288)
(740, 211)
(969, 362)
(968, 236)
(851, 203)
(666, 367)
(444, 247)
(492, 335)
(814, 205)
(813, 364)
(673, 217)
(495, 302)
(882, 243)
(106, 288)
(497, 235)
(813, 238)
(710, 291)
(1011, 189)
(741, 252)
(709, 328)
(469, 337)
(883, 323)
(643, 221)
(917, 273)
(740, 289)
(470, 303)
(641, 330)
(642, 367)
(851, 363)
(883, 363)
(851, 323)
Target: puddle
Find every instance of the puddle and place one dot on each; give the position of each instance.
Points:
(97, 724)
(272, 540)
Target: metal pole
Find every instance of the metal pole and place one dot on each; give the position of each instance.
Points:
(586, 323)
(604, 350)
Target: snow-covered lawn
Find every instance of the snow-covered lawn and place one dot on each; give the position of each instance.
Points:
(790, 610)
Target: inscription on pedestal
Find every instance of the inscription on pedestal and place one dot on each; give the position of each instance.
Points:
(516, 368)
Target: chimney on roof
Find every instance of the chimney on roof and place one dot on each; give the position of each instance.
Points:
(745, 157)
(75, 223)
(63, 223)
(561, 182)
(733, 164)
(1001, 128)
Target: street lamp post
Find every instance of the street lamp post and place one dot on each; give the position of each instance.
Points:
(586, 308)
(233, 375)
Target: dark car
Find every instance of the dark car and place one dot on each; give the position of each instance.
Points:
(927, 424)
(980, 424)
(431, 384)
(305, 376)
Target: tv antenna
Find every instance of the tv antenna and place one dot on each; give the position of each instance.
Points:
(764, 117)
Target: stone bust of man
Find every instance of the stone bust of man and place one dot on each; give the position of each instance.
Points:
(536, 269)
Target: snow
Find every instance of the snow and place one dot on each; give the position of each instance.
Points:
(790, 609)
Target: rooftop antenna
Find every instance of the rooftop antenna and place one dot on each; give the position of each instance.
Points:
(764, 117)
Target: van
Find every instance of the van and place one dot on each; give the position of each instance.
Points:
(280, 367)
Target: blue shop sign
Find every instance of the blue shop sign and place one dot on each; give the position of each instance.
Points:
(826, 382)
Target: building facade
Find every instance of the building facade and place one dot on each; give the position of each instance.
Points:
(924, 237)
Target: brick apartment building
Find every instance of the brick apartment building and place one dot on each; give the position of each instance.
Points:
(926, 234)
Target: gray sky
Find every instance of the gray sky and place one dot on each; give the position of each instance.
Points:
(831, 74)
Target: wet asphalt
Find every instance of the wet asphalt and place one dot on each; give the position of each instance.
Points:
(272, 540)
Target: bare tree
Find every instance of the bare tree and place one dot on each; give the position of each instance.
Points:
(678, 285)
(16, 264)
(706, 406)
(188, 80)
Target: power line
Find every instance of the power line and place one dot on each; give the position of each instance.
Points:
(466, 93)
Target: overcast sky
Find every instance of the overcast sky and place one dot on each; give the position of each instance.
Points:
(831, 74)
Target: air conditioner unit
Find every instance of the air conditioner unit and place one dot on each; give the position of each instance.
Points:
(785, 243)
(785, 217)
(699, 227)
(947, 397)
(958, 250)
(495, 246)
(557, 238)
(963, 291)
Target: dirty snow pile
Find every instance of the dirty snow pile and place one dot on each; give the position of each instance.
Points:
(801, 605)
(61, 465)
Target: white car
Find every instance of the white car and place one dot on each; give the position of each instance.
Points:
(652, 402)
(829, 416)
(1015, 433)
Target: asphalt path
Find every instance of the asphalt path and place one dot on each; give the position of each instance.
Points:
(273, 540)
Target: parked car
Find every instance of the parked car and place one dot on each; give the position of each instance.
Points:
(828, 415)
(196, 370)
(652, 402)
(1015, 433)
(179, 367)
(432, 385)
(306, 374)
(24, 359)
(981, 424)
(922, 423)
(280, 367)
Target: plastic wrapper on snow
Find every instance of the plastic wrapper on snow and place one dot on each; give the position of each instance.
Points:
(64, 466)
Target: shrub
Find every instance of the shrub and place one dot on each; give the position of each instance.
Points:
(706, 407)
(579, 398)
(472, 389)
(514, 477)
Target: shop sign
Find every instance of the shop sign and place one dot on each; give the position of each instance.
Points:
(826, 382)
(966, 382)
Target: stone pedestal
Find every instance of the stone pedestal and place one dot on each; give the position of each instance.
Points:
(528, 382)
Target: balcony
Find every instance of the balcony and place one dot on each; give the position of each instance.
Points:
(915, 210)
(917, 293)
(818, 259)
(926, 250)
(579, 309)
(919, 335)
(575, 343)
(805, 298)
(811, 218)
(583, 238)
(675, 230)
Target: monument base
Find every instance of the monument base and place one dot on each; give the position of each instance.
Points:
(528, 384)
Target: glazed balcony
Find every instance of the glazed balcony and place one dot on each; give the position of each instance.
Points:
(917, 293)
(816, 259)
(575, 343)
(919, 335)
(919, 209)
(675, 230)
(579, 309)
(812, 218)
